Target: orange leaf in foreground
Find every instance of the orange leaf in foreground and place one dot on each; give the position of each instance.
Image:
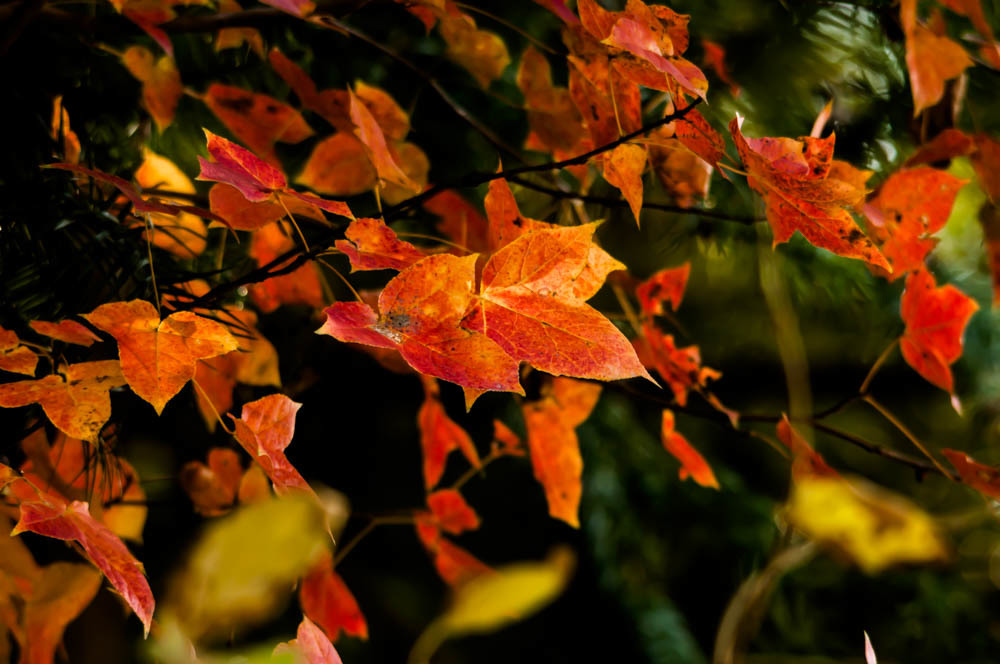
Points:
(68, 331)
(161, 83)
(256, 119)
(264, 429)
(665, 286)
(440, 436)
(327, 601)
(935, 319)
(911, 205)
(420, 311)
(371, 245)
(553, 445)
(158, 357)
(76, 401)
(14, 357)
(805, 460)
(532, 304)
(805, 190)
(453, 514)
(453, 563)
(48, 515)
(235, 165)
(623, 168)
(984, 479)
(931, 58)
(693, 464)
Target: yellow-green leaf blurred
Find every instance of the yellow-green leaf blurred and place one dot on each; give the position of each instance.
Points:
(245, 566)
(492, 601)
(872, 526)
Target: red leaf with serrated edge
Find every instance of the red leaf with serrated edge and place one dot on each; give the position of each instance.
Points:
(555, 451)
(440, 435)
(371, 245)
(328, 602)
(935, 319)
(453, 563)
(264, 429)
(805, 460)
(911, 205)
(256, 119)
(805, 190)
(452, 513)
(420, 313)
(701, 138)
(505, 221)
(984, 479)
(47, 515)
(693, 464)
(68, 331)
(665, 286)
(530, 306)
(241, 168)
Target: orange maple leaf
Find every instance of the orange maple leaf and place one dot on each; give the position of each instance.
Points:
(693, 464)
(158, 357)
(264, 429)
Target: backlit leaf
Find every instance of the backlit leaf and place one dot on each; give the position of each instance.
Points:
(327, 601)
(693, 464)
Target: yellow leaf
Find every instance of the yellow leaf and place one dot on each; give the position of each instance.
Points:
(245, 566)
(872, 526)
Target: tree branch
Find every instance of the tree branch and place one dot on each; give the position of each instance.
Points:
(476, 179)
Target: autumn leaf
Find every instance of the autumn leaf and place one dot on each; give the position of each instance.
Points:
(256, 119)
(556, 123)
(552, 443)
(68, 331)
(327, 601)
(371, 245)
(481, 52)
(935, 319)
(76, 400)
(61, 593)
(981, 477)
(454, 565)
(212, 487)
(806, 190)
(623, 168)
(183, 234)
(530, 305)
(62, 134)
(715, 57)
(158, 357)
(370, 133)
(986, 161)
(506, 441)
(452, 513)
(931, 58)
(301, 286)
(339, 166)
(161, 83)
(871, 526)
(693, 464)
(264, 429)
(50, 516)
(680, 367)
(805, 460)
(683, 174)
(14, 356)
(312, 644)
(237, 37)
(420, 310)
(460, 221)
(949, 143)
(911, 205)
(666, 286)
(440, 436)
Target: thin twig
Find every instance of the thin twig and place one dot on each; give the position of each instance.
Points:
(887, 414)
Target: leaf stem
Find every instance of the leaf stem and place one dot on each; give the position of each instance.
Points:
(377, 521)
(863, 390)
(211, 405)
